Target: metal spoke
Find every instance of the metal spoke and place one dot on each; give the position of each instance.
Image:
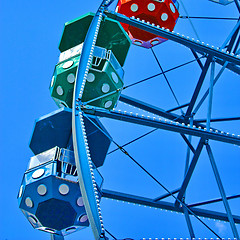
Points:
(208, 18)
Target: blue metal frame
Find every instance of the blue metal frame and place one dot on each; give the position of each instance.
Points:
(158, 111)
(83, 160)
(56, 237)
(213, 201)
(166, 195)
(82, 156)
(190, 171)
(198, 87)
(222, 192)
(170, 126)
(207, 92)
(165, 205)
(189, 223)
(210, 99)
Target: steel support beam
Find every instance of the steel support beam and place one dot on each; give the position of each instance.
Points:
(166, 195)
(197, 58)
(82, 158)
(213, 201)
(56, 237)
(222, 192)
(218, 119)
(190, 171)
(190, 146)
(210, 97)
(189, 223)
(156, 110)
(231, 37)
(177, 108)
(161, 124)
(207, 92)
(150, 108)
(198, 87)
(176, 37)
(164, 205)
(229, 66)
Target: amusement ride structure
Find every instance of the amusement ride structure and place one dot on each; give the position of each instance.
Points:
(62, 187)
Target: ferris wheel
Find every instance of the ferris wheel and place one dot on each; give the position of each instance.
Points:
(168, 118)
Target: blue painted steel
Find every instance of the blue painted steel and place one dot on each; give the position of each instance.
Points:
(213, 201)
(190, 147)
(190, 171)
(207, 92)
(81, 155)
(165, 205)
(222, 192)
(177, 108)
(219, 119)
(229, 66)
(150, 108)
(209, 113)
(232, 41)
(189, 223)
(170, 126)
(156, 110)
(56, 237)
(197, 58)
(165, 195)
(198, 87)
(85, 177)
(193, 44)
(230, 35)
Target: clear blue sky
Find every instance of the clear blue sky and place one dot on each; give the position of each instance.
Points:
(30, 33)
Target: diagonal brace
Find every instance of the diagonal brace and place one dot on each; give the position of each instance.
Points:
(190, 171)
(198, 87)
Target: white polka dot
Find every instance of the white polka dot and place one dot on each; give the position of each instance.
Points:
(71, 78)
(90, 77)
(38, 173)
(80, 202)
(63, 189)
(151, 7)
(164, 17)
(60, 90)
(114, 77)
(105, 88)
(134, 7)
(67, 64)
(83, 218)
(42, 189)
(29, 202)
(172, 8)
(108, 104)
